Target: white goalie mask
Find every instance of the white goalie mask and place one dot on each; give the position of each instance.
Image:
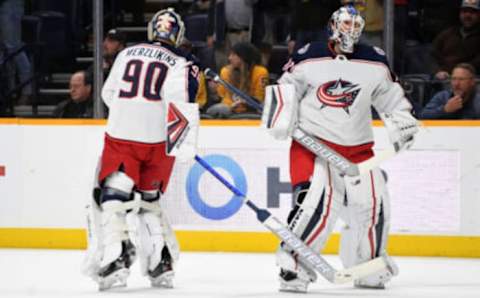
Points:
(166, 25)
(346, 26)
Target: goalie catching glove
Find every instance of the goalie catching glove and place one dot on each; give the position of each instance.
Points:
(401, 127)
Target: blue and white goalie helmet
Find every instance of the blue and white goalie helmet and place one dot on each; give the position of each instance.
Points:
(166, 25)
(346, 26)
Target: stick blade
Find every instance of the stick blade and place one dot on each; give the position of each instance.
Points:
(375, 161)
(360, 270)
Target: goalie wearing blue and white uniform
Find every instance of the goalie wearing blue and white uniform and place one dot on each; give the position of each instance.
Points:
(150, 123)
(334, 85)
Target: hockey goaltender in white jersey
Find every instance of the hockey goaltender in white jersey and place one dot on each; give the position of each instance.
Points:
(150, 122)
(336, 85)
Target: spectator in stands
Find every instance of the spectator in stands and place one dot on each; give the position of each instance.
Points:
(271, 22)
(309, 21)
(372, 11)
(199, 6)
(244, 72)
(460, 43)
(461, 102)
(204, 90)
(436, 16)
(11, 12)
(80, 104)
(113, 43)
(229, 22)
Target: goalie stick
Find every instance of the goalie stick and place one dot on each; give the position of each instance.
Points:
(313, 144)
(306, 255)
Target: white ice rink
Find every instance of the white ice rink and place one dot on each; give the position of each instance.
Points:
(56, 273)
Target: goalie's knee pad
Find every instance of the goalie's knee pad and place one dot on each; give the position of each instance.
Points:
(119, 181)
(150, 201)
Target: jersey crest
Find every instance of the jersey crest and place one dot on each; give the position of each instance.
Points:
(338, 94)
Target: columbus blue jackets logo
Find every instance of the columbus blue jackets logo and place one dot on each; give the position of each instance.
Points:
(176, 127)
(338, 94)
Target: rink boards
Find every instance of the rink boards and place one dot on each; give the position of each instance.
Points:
(47, 168)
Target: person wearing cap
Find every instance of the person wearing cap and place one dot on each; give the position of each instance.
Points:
(244, 72)
(114, 42)
(458, 44)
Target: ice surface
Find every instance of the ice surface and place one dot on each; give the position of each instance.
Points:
(56, 273)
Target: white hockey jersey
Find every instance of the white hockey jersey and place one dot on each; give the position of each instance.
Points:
(336, 92)
(142, 78)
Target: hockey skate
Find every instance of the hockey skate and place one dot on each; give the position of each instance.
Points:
(162, 275)
(290, 282)
(117, 272)
(296, 282)
(378, 280)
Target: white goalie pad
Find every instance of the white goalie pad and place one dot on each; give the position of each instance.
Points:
(279, 115)
(183, 120)
(93, 256)
(153, 232)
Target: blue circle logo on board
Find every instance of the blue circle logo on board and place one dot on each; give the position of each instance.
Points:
(198, 203)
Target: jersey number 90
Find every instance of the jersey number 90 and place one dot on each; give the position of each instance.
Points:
(153, 78)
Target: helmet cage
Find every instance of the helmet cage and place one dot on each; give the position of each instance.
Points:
(166, 25)
(346, 26)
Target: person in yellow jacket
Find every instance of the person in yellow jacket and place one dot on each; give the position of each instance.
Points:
(244, 72)
(202, 93)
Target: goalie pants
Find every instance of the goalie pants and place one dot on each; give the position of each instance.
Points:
(146, 164)
(361, 202)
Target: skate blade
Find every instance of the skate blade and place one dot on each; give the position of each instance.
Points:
(370, 287)
(293, 288)
(116, 279)
(164, 280)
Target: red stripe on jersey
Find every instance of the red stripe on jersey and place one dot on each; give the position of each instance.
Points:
(370, 231)
(327, 212)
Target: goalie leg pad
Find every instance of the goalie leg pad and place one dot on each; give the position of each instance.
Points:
(317, 214)
(118, 251)
(93, 256)
(158, 247)
(312, 219)
(367, 219)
